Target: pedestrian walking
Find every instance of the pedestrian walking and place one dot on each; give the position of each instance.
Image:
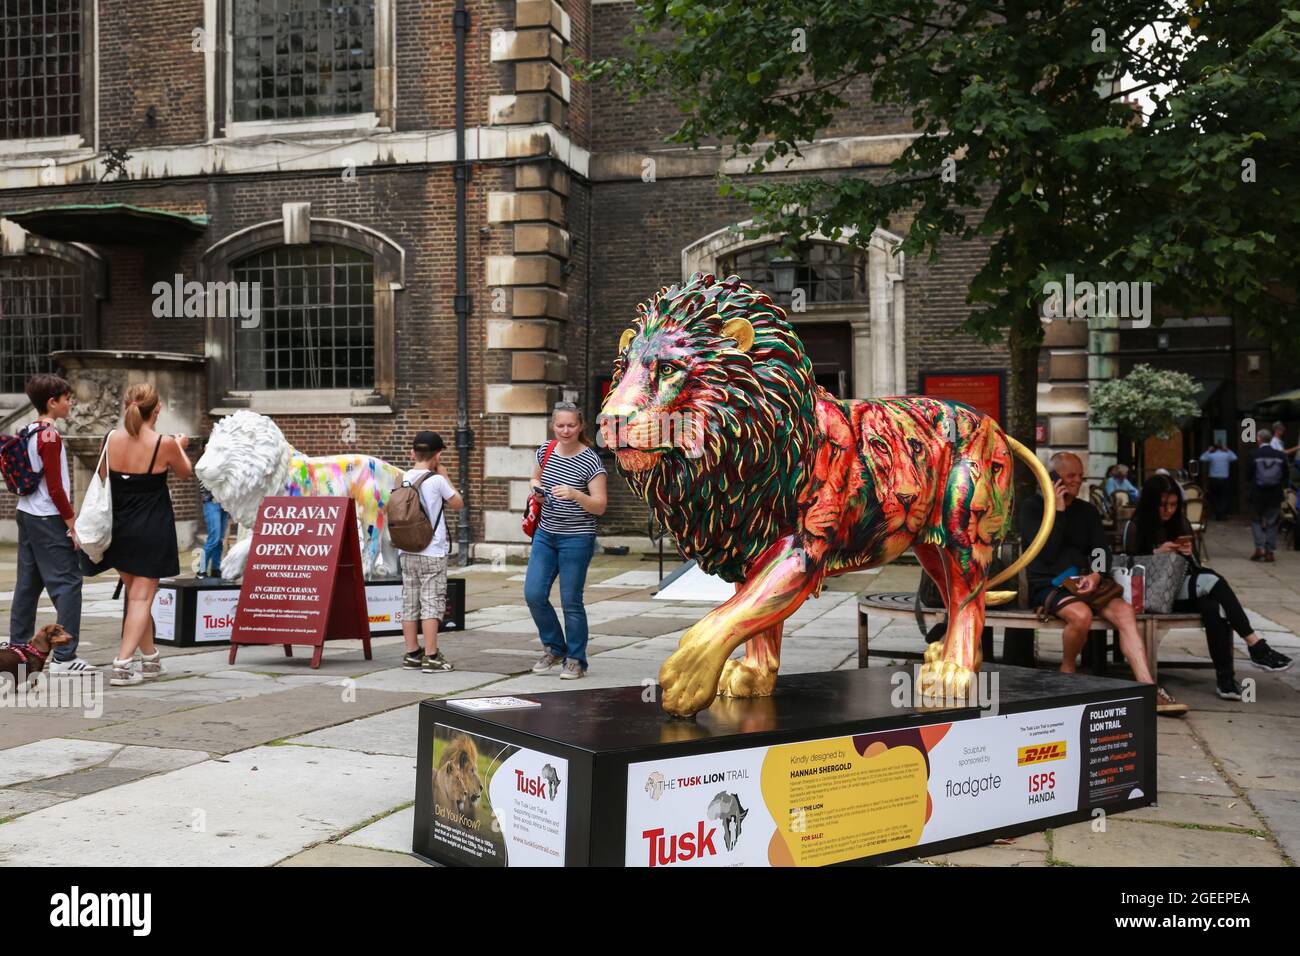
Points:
(143, 546)
(1219, 460)
(36, 469)
(1266, 469)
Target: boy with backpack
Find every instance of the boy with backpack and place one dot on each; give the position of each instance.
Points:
(415, 514)
(34, 464)
(1266, 468)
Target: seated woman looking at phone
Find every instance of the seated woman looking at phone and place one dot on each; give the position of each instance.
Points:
(1160, 527)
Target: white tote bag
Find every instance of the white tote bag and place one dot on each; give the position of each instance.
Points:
(95, 523)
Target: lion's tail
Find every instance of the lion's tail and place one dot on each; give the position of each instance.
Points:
(994, 598)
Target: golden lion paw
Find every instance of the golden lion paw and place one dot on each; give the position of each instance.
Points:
(945, 680)
(933, 651)
(742, 679)
(689, 678)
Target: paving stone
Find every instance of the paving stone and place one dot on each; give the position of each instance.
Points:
(1281, 813)
(1150, 844)
(392, 732)
(17, 802)
(1198, 808)
(156, 759)
(51, 758)
(249, 817)
(993, 855)
(87, 781)
(394, 832)
(223, 728)
(1257, 750)
(334, 854)
(1190, 775)
(644, 625)
(430, 685)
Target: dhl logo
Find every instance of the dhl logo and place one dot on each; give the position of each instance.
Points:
(1041, 753)
(380, 618)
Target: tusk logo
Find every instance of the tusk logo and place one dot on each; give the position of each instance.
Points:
(77, 909)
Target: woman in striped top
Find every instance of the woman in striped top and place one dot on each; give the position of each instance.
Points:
(571, 487)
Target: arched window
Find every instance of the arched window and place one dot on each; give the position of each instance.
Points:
(827, 273)
(316, 324)
(323, 336)
(41, 311)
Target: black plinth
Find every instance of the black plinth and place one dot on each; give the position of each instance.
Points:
(192, 612)
(835, 767)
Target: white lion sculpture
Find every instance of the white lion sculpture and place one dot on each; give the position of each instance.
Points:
(248, 458)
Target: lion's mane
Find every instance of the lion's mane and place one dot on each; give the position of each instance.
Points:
(246, 458)
(728, 505)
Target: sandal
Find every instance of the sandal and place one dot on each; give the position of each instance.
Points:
(1167, 706)
(124, 674)
(151, 666)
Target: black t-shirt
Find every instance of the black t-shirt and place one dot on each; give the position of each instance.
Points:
(1076, 534)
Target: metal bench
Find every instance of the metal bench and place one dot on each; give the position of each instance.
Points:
(1018, 626)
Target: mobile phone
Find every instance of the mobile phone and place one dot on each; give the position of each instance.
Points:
(1185, 539)
(1054, 476)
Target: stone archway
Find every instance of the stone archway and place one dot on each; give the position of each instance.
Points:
(878, 324)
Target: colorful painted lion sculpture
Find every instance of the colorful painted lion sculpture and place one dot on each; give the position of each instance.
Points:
(771, 483)
(248, 458)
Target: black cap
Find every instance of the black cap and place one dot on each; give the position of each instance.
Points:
(428, 442)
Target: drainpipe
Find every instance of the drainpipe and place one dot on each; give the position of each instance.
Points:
(464, 436)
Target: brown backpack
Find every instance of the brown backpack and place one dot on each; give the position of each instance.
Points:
(409, 526)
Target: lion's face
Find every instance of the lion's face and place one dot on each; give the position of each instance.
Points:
(710, 413)
(246, 459)
(660, 406)
(457, 781)
(898, 460)
(979, 493)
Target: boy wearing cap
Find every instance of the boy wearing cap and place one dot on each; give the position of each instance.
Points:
(424, 573)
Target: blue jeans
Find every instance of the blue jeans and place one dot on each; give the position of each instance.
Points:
(567, 555)
(1263, 525)
(47, 561)
(215, 519)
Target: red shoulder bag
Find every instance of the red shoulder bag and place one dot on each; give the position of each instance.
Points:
(533, 513)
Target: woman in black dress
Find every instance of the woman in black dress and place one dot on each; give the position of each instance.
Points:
(143, 548)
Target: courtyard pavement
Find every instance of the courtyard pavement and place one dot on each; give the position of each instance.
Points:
(271, 763)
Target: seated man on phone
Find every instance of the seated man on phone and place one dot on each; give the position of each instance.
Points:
(1076, 546)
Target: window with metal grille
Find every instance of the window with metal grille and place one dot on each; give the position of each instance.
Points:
(40, 313)
(298, 59)
(40, 68)
(826, 273)
(316, 327)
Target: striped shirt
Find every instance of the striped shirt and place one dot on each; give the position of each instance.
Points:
(568, 517)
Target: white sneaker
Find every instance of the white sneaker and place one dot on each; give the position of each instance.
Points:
(125, 674)
(74, 666)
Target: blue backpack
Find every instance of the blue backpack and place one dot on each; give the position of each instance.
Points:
(16, 464)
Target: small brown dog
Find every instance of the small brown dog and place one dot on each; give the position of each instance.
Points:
(32, 655)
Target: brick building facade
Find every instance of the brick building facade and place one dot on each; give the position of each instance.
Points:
(313, 144)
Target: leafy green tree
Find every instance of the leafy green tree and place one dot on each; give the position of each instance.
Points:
(1147, 402)
(1028, 137)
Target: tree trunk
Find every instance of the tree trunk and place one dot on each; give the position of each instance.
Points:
(1023, 340)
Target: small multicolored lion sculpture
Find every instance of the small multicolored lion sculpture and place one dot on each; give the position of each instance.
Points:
(771, 483)
(248, 458)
